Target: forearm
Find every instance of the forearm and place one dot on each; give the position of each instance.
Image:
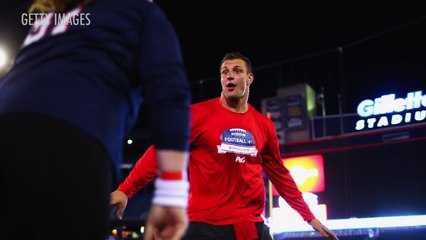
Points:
(172, 160)
(144, 171)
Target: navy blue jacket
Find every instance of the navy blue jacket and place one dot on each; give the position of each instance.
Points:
(95, 73)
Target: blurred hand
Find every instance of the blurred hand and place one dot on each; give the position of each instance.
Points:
(120, 199)
(166, 223)
(323, 230)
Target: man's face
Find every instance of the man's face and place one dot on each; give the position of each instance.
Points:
(235, 79)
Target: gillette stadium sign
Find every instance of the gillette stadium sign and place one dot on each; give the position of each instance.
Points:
(391, 110)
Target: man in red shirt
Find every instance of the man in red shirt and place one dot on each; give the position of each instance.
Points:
(231, 145)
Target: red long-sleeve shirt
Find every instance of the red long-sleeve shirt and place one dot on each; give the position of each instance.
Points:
(228, 153)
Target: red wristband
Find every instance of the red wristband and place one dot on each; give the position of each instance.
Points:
(171, 175)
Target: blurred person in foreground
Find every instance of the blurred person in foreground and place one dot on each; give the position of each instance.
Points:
(231, 145)
(68, 103)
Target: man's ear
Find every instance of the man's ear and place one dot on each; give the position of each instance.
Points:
(251, 78)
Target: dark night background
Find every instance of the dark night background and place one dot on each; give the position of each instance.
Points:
(356, 56)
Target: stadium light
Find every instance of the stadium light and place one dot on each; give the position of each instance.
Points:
(3, 59)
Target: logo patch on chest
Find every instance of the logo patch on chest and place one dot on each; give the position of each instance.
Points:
(239, 141)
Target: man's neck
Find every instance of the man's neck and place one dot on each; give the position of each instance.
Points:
(237, 105)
